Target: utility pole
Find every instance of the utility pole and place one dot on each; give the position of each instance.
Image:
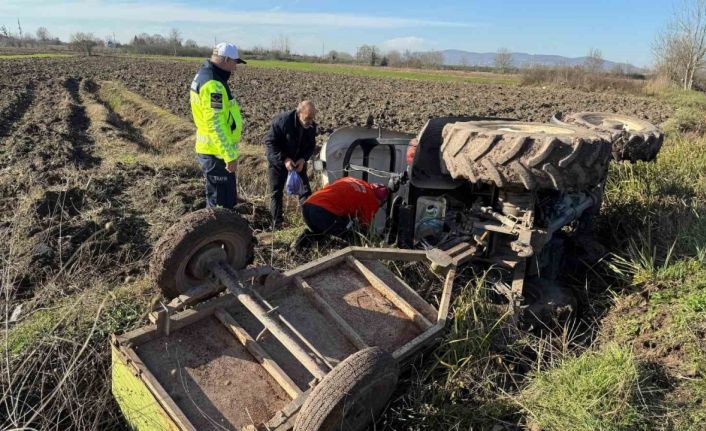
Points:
(19, 26)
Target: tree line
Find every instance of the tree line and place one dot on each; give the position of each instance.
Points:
(20, 38)
(679, 49)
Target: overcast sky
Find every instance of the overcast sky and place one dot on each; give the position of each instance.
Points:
(622, 29)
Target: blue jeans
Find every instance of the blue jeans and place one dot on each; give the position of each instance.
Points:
(220, 184)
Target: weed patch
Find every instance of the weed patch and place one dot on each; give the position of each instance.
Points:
(597, 390)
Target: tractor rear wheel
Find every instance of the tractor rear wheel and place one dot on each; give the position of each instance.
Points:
(533, 156)
(633, 139)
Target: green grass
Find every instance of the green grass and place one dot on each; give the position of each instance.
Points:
(366, 71)
(689, 111)
(72, 317)
(668, 330)
(38, 55)
(647, 368)
(595, 391)
(382, 72)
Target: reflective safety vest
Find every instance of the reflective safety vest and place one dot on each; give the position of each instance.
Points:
(219, 124)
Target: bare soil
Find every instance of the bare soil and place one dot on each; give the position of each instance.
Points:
(212, 377)
(369, 313)
(85, 191)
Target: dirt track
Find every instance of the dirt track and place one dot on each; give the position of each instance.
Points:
(84, 193)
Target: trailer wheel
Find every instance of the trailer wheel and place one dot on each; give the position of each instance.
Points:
(633, 139)
(352, 395)
(182, 255)
(533, 156)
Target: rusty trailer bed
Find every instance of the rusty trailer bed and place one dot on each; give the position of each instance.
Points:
(215, 366)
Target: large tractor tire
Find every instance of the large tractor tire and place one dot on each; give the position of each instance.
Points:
(352, 395)
(182, 255)
(633, 139)
(532, 156)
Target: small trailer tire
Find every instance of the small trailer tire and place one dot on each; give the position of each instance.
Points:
(352, 395)
(181, 256)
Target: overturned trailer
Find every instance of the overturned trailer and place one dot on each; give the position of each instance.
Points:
(314, 348)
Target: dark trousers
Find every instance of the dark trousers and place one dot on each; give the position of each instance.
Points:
(220, 184)
(321, 221)
(278, 178)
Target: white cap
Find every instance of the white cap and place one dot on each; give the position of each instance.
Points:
(228, 50)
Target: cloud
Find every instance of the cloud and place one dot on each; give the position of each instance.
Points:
(165, 12)
(412, 43)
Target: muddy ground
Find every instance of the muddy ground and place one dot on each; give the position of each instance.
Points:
(86, 187)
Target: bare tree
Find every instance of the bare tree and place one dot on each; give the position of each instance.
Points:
(175, 40)
(681, 47)
(503, 60)
(594, 61)
(43, 34)
(83, 42)
(464, 60)
(431, 58)
(280, 45)
(394, 58)
(364, 54)
(373, 56)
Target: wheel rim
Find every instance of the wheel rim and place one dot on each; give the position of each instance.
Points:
(526, 128)
(615, 122)
(234, 252)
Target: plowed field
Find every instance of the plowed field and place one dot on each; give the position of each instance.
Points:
(96, 162)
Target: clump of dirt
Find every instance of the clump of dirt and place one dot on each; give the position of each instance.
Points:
(68, 201)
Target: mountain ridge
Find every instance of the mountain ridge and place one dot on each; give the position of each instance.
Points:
(458, 57)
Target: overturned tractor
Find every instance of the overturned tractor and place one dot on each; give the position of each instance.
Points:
(521, 196)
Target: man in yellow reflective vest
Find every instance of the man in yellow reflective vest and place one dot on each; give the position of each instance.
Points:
(218, 125)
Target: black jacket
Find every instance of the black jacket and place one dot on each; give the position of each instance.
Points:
(207, 72)
(288, 139)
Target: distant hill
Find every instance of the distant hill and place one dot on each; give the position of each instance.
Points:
(456, 57)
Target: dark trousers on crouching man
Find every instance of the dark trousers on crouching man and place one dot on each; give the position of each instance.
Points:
(220, 184)
(323, 222)
(278, 178)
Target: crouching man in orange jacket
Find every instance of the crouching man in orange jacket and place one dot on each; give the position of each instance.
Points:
(335, 209)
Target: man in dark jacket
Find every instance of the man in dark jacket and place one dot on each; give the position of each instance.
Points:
(289, 144)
